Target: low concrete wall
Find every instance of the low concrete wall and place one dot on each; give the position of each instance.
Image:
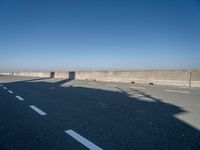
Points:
(32, 74)
(6, 74)
(195, 78)
(177, 78)
(62, 75)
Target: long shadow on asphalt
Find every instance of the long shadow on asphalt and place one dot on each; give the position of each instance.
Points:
(114, 120)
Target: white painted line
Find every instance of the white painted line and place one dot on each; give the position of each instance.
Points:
(1, 85)
(19, 98)
(39, 111)
(5, 88)
(174, 91)
(11, 92)
(82, 140)
(137, 87)
(111, 85)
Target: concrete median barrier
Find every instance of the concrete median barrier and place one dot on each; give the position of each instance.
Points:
(32, 74)
(177, 78)
(65, 75)
(195, 78)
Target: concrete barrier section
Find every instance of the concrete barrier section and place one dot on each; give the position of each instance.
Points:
(177, 78)
(32, 74)
(195, 78)
(63, 75)
(5, 74)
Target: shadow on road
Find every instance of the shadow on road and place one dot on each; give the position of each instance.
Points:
(113, 120)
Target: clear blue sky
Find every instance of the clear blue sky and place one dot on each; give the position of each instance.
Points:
(99, 34)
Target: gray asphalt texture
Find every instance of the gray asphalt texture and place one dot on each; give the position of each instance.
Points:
(114, 116)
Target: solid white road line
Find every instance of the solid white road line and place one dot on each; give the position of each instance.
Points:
(137, 87)
(111, 85)
(5, 88)
(19, 98)
(175, 91)
(11, 92)
(82, 140)
(39, 111)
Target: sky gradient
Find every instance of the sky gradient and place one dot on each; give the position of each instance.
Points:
(47, 35)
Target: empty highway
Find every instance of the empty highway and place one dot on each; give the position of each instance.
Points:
(57, 114)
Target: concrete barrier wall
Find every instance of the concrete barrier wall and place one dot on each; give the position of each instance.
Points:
(32, 74)
(177, 78)
(61, 75)
(195, 78)
(5, 74)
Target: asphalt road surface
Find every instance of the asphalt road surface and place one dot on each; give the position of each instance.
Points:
(56, 114)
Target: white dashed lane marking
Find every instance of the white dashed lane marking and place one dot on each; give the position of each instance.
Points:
(137, 87)
(19, 98)
(11, 92)
(39, 111)
(1, 85)
(175, 91)
(5, 88)
(82, 140)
